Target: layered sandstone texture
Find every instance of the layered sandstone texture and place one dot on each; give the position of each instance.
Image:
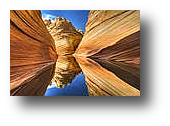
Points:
(109, 53)
(106, 28)
(66, 36)
(32, 53)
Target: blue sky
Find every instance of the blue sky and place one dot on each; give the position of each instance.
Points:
(77, 17)
(77, 87)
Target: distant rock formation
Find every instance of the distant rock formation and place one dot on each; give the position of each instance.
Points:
(32, 53)
(66, 37)
(112, 40)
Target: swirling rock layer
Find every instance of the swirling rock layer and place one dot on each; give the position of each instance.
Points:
(112, 44)
(32, 53)
(109, 53)
(106, 28)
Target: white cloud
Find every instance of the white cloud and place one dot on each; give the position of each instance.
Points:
(48, 16)
(51, 86)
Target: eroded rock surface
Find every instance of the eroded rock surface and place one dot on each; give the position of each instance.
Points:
(67, 38)
(108, 54)
(112, 44)
(106, 28)
(32, 53)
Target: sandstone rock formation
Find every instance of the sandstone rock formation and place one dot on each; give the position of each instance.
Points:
(112, 40)
(106, 28)
(66, 37)
(108, 54)
(32, 53)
